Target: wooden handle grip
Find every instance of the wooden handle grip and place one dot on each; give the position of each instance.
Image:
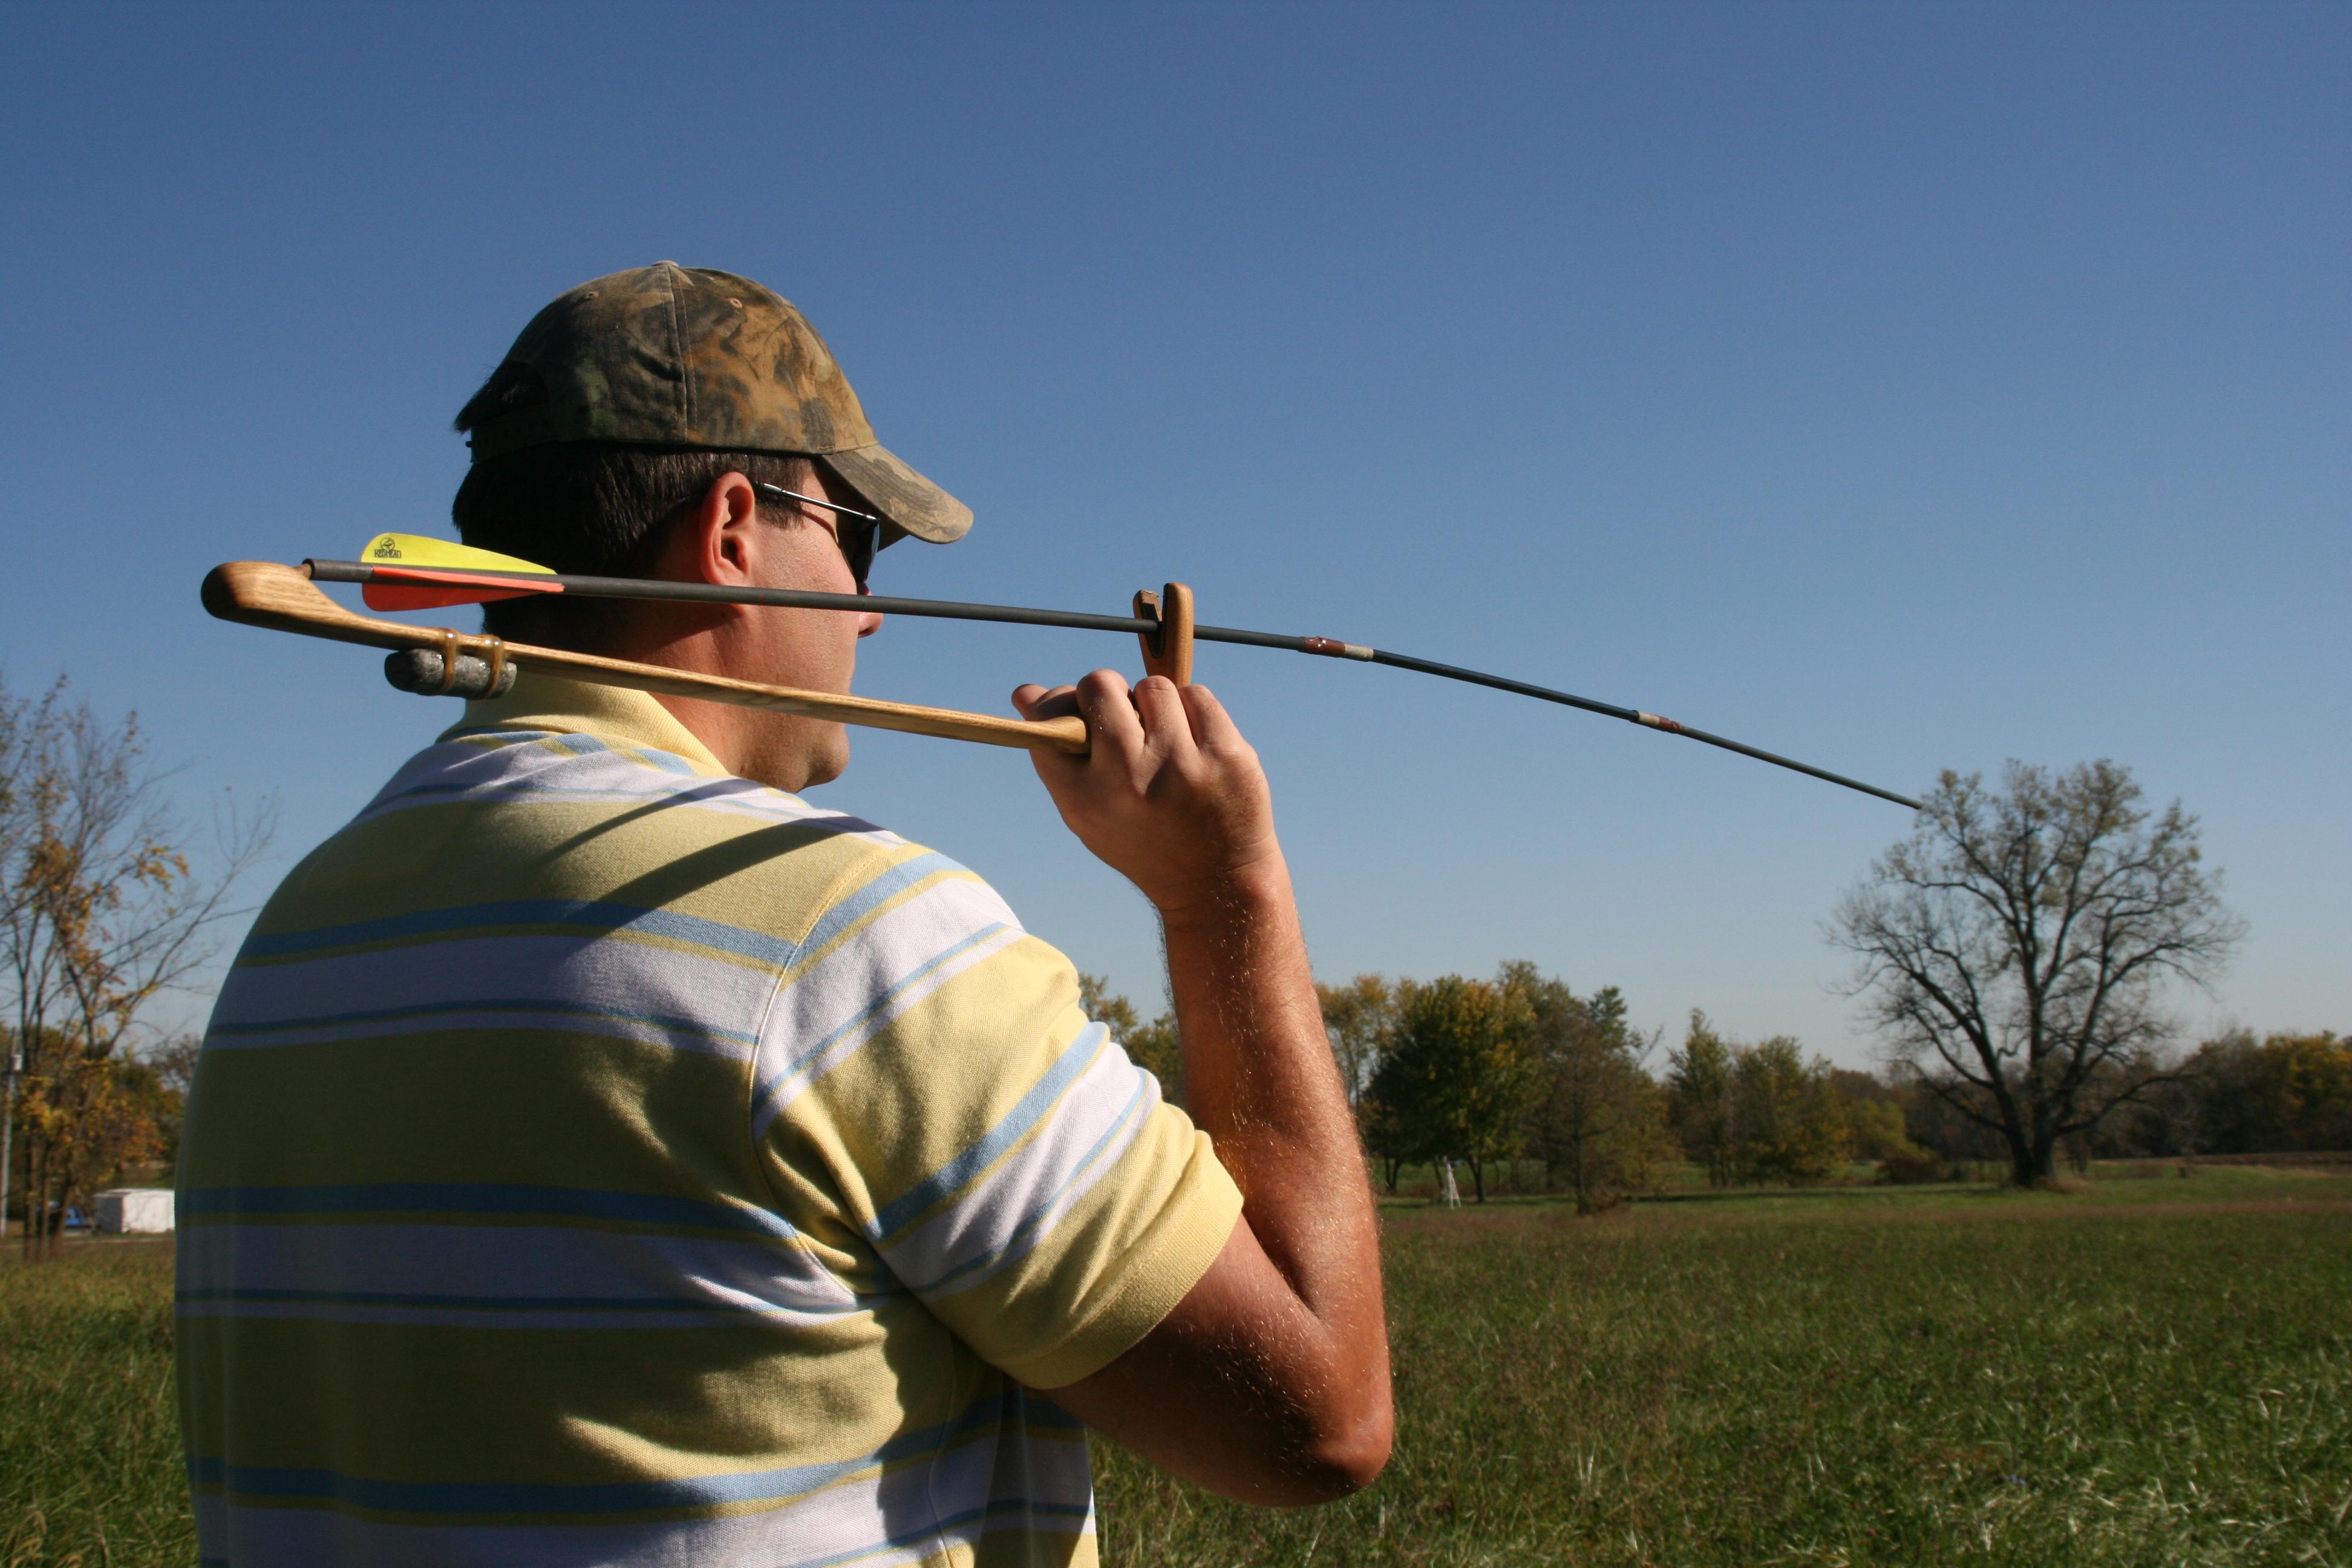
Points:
(265, 594)
(1168, 650)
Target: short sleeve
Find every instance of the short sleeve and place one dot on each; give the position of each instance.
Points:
(928, 1063)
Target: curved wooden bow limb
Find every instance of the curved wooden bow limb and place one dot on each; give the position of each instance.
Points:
(265, 594)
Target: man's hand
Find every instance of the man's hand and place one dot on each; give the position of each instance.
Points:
(1171, 795)
(1270, 1380)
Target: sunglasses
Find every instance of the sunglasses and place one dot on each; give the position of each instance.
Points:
(859, 533)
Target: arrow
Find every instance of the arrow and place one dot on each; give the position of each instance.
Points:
(401, 572)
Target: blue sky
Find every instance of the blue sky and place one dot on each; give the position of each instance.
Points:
(1898, 387)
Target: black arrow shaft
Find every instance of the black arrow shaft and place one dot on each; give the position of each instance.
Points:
(1634, 715)
(1021, 615)
(802, 599)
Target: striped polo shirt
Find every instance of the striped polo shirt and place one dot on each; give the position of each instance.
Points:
(597, 1158)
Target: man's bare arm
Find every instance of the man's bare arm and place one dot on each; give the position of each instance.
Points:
(1270, 1380)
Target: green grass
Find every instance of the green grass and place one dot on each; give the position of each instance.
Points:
(2150, 1371)
(89, 1438)
(2146, 1372)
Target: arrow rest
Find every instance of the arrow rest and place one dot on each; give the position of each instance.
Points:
(1168, 647)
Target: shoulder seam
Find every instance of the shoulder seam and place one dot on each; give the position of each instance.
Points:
(852, 876)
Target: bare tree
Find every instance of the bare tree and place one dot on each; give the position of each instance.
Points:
(2016, 949)
(101, 912)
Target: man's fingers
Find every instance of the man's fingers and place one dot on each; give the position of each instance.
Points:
(1035, 702)
(1212, 725)
(1109, 711)
(1161, 704)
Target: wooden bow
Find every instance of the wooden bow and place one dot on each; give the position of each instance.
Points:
(265, 594)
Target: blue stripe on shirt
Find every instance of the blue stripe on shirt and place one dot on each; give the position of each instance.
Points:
(896, 880)
(289, 1484)
(651, 1209)
(591, 914)
(424, 1010)
(1033, 1106)
(764, 1094)
(1025, 1235)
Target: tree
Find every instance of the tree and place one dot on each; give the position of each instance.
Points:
(2285, 1092)
(173, 1059)
(2314, 1075)
(1156, 1046)
(1596, 1115)
(1389, 1114)
(1358, 1017)
(1877, 1114)
(1879, 1133)
(1935, 1124)
(2016, 949)
(1698, 1100)
(1388, 1137)
(1789, 1121)
(86, 1117)
(101, 912)
(1458, 1076)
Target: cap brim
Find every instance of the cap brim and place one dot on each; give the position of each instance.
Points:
(911, 502)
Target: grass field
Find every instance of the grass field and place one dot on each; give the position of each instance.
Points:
(90, 1441)
(2142, 1372)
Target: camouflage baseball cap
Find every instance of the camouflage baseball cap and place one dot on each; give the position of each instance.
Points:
(684, 356)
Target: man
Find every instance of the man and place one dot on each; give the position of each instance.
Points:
(600, 1155)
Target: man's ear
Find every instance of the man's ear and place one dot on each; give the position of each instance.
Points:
(716, 541)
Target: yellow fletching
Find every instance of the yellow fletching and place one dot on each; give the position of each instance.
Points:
(415, 550)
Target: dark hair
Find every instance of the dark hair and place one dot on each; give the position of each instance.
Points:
(601, 509)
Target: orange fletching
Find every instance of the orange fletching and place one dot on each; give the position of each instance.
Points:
(433, 588)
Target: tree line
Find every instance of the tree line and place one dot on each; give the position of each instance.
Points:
(2283, 1093)
(1519, 1069)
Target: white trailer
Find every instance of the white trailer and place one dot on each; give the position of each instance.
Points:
(124, 1211)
